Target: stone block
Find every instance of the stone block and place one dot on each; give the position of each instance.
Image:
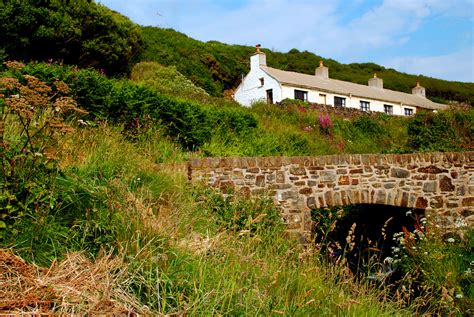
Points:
(311, 203)
(399, 172)
(468, 202)
(445, 184)
(404, 200)
(271, 177)
(245, 190)
(343, 180)
(389, 185)
(297, 170)
(306, 191)
(290, 194)
(328, 176)
(380, 197)
(280, 177)
(328, 197)
(421, 203)
(436, 202)
(280, 186)
(432, 170)
(429, 187)
(356, 171)
(260, 181)
(420, 177)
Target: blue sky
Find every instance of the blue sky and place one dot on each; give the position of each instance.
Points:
(429, 37)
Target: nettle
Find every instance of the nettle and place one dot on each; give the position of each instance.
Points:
(33, 117)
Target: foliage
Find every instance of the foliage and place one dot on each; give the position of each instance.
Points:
(75, 32)
(241, 213)
(442, 131)
(31, 121)
(122, 101)
(436, 269)
(166, 80)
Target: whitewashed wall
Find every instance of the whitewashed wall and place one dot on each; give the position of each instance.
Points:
(251, 90)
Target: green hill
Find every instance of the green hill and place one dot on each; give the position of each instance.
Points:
(216, 66)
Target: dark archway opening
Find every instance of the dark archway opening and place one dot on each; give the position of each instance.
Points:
(363, 235)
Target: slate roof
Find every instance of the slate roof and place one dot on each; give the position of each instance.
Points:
(346, 88)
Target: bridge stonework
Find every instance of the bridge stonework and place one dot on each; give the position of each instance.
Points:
(440, 183)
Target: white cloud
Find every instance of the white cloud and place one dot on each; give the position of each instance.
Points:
(457, 66)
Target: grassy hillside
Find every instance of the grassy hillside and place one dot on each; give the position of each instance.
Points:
(110, 184)
(97, 215)
(216, 66)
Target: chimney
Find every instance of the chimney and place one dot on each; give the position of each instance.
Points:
(258, 58)
(322, 71)
(376, 82)
(419, 90)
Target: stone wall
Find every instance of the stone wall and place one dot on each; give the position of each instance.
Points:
(440, 183)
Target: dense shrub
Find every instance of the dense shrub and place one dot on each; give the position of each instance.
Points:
(368, 125)
(442, 131)
(121, 101)
(76, 32)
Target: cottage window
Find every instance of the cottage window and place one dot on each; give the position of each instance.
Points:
(339, 102)
(322, 99)
(364, 105)
(270, 96)
(408, 111)
(262, 81)
(388, 109)
(301, 95)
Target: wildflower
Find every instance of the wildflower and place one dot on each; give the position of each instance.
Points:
(325, 122)
(450, 240)
(459, 296)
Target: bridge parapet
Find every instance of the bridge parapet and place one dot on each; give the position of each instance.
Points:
(440, 183)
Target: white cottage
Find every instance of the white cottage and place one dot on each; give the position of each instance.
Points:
(271, 85)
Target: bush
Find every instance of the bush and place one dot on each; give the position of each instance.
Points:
(443, 131)
(77, 32)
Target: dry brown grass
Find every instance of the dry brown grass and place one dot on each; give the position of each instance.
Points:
(75, 286)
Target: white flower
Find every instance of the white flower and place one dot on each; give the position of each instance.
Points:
(450, 240)
(459, 296)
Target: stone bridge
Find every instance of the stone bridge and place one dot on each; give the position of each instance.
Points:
(440, 183)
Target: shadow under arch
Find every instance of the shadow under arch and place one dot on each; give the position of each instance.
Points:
(371, 237)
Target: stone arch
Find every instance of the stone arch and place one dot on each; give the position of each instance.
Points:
(440, 183)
